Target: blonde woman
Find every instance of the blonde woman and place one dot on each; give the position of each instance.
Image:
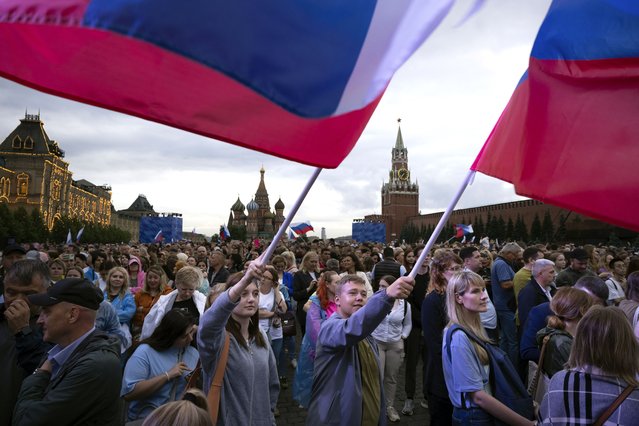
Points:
(118, 294)
(467, 368)
(185, 297)
(305, 284)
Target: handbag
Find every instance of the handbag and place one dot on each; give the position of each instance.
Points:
(289, 327)
(213, 398)
(536, 389)
(615, 404)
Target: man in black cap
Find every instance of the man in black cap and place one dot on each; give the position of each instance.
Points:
(79, 383)
(578, 268)
(10, 254)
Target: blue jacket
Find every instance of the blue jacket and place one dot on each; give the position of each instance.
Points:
(528, 349)
(336, 397)
(124, 307)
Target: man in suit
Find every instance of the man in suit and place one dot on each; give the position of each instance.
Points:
(538, 290)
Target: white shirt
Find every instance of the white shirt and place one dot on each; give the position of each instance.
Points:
(615, 290)
(266, 324)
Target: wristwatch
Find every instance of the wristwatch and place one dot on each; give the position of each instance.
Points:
(24, 331)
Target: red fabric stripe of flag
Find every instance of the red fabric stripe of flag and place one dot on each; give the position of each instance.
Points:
(572, 140)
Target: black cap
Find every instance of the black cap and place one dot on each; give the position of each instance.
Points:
(579, 254)
(78, 291)
(12, 248)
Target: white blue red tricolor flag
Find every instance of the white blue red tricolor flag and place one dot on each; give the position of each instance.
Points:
(158, 237)
(301, 227)
(298, 79)
(570, 134)
(224, 233)
(463, 230)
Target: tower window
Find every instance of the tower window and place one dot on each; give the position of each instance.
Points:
(23, 184)
(17, 142)
(28, 143)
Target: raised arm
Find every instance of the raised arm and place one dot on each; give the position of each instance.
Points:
(339, 334)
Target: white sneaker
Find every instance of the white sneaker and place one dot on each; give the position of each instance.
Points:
(424, 403)
(409, 406)
(392, 414)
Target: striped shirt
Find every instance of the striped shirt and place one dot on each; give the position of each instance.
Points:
(579, 398)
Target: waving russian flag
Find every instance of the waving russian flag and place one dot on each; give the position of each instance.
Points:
(301, 227)
(224, 233)
(298, 79)
(158, 237)
(570, 134)
(462, 230)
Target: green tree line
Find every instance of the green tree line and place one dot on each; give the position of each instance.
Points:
(24, 226)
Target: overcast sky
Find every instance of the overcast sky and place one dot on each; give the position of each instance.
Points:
(449, 96)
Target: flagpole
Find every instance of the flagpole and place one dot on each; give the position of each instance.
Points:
(289, 218)
(442, 222)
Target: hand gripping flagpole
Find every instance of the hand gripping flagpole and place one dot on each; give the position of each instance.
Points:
(442, 222)
(289, 218)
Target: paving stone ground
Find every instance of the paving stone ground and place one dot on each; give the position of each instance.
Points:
(292, 415)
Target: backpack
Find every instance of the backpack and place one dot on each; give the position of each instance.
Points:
(504, 379)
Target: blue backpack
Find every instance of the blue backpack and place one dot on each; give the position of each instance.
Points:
(504, 380)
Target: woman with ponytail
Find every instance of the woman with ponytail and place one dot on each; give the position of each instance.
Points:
(569, 305)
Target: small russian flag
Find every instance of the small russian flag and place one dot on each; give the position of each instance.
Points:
(80, 232)
(463, 230)
(158, 237)
(224, 233)
(302, 227)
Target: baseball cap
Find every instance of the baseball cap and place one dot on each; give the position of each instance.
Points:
(78, 291)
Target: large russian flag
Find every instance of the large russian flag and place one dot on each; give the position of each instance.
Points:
(298, 79)
(570, 134)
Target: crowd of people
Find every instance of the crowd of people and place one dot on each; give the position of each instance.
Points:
(188, 333)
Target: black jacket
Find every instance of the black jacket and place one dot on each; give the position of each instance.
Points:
(529, 297)
(86, 390)
(20, 354)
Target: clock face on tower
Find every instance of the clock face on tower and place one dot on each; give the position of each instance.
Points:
(402, 174)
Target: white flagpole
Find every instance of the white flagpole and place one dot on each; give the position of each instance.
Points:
(442, 222)
(280, 232)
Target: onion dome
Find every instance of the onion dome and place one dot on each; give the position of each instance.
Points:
(269, 215)
(251, 206)
(279, 205)
(238, 206)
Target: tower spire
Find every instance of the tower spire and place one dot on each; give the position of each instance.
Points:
(399, 143)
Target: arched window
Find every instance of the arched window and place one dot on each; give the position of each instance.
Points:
(23, 184)
(17, 142)
(5, 187)
(28, 143)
